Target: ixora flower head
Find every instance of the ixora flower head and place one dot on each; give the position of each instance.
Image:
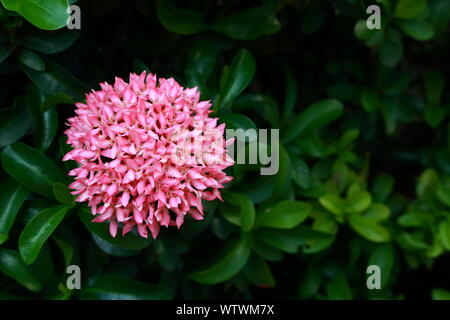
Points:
(148, 153)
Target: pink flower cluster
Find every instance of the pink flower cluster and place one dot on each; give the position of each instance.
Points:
(134, 143)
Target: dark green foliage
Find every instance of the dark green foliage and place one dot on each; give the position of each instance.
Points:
(364, 160)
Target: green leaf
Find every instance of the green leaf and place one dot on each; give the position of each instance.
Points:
(382, 187)
(333, 203)
(31, 60)
(238, 77)
(262, 104)
(62, 193)
(417, 29)
(291, 95)
(427, 183)
(391, 49)
(370, 99)
(310, 283)
(377, 212)
(301, 174)
(371, 37)
(239, 121)
(130, 241)
(112, 249)
(247, 209)
(66, 249)
(49, 42)
(55, 79)
(314, 117)
(358, 202)
(338, 289)
(434, 86)
(59, 98)
(258, 272)
(408, 9)
(248, 24)
(5, 52)
(167, 251)
(46, 131)
(38, 230)
(369, 229)
(434, 115)
(12, 265)
(12, 197)
(44, 14)
(440, 294)
(202, 58)
(178, 20)
(383, 256)
(31, 168)
(115, 287)
(233, 260)
(285, 214)
(444, 233)
(15, 122)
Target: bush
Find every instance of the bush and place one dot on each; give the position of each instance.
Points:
(364, 159)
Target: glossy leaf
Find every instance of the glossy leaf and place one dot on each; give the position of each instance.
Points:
(258, 272)
(130, 241)
(12, 196)
(284, 215)
(233, 260)
(407, 9)
(31, 168)
(55, 79)
(12, 265)
(14, 122)
(314, 117)
(38, 230)
(177, 20)
(248, 24)
(49, 42)
(115, 287)
(44, 14)
(31, 60)
(238, 77)
(369, 229)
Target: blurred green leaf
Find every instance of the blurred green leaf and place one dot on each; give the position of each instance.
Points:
(434, 86)
(408, 9)
(444, 233)
(338, 289)
(246, 207)
(248, 24)
(178, 20)
(417, 29)
(258, 272)
(369, 229)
